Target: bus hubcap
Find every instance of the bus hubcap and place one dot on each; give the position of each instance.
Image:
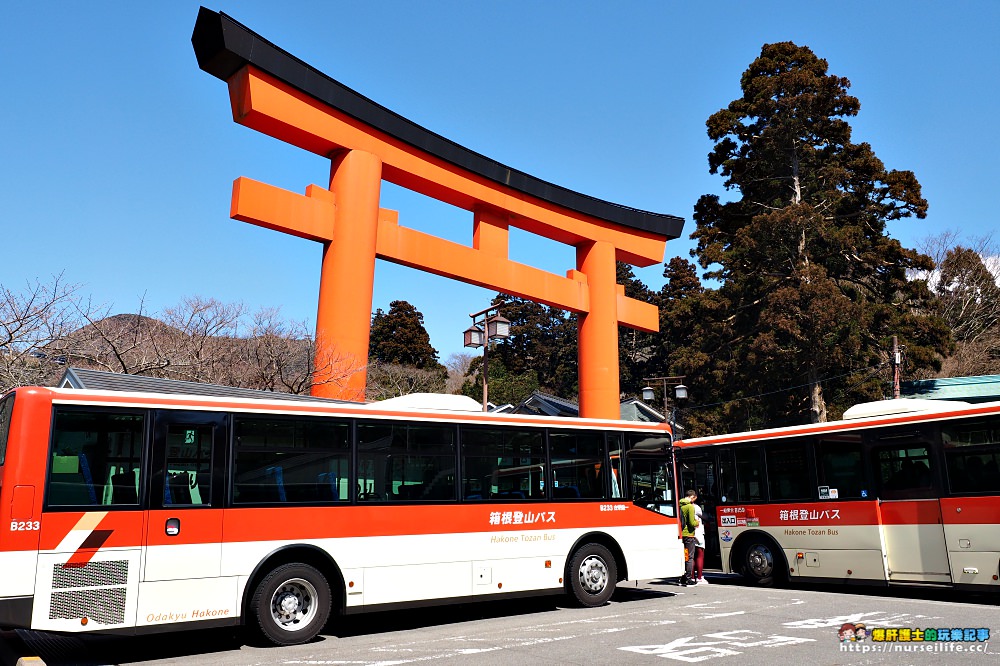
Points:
(594, 575)
(292, 604)
(760, 561)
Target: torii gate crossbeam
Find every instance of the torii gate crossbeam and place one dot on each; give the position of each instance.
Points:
(279, 95)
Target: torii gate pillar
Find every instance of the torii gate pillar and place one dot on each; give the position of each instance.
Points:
(598, 333)
(347, 278)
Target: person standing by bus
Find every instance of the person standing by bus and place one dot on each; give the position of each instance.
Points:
(689, 523)
(699, 535)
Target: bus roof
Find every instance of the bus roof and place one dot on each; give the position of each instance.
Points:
(869, 414)
(388, 409)
(866, 410)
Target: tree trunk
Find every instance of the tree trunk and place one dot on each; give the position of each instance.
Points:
(817, 405)
(796, 185)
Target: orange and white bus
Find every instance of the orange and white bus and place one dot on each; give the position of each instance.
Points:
(899, 492)
(137, 512)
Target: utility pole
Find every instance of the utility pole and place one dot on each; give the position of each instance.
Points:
(896, 362)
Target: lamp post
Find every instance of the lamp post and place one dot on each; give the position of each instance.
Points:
(487, 325)
(680, 395)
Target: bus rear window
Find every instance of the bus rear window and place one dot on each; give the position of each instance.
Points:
(6, 407)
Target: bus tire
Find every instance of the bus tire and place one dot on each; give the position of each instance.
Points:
(291, 604)
(762, 563)
(592, 574)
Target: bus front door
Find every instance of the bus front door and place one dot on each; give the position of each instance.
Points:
(184, 529)
(910, 511)
(699, 472)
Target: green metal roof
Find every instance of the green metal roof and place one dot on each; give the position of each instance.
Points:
(984, 388)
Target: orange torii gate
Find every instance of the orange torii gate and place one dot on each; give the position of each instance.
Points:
(273, 92)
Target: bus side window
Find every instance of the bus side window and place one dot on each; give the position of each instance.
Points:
(972, 452)
(95, 458)
(406, 462)
(576, 457)
(749, 474)
(189, 463)
(904, 472)
(616, 453)
(279, 460)
(727, 477)
(788, 472)
(502, 464)
(841, 466)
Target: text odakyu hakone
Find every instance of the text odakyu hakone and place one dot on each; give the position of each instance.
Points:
(194, 614)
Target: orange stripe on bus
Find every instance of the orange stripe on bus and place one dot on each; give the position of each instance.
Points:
(954, 510)
(911, 512)
(291, 523)
(304, 523)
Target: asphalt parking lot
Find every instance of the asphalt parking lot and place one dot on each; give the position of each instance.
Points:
(724, 621)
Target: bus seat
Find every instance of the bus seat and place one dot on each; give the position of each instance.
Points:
(411, 491)
(921, 474)
(439, 491)
(509, 494)
(249, 493)
(177, 489)
(329, 485)
(67, 484)
(123, 490)
(991, 477)
(566, 491)
(68, 493)
(204, 481)
(276, 478)
(87, 477)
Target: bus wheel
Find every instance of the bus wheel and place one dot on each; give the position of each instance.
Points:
(291, 604)
(592, 575)
(762, 565)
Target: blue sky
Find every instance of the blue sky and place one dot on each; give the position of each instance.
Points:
(117, 153)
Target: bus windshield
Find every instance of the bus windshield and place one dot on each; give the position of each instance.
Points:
(6, 407)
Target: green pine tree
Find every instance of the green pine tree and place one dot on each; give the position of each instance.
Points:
(812, 287)
(398, 336)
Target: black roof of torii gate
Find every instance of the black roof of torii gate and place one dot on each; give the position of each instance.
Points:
(223, 46)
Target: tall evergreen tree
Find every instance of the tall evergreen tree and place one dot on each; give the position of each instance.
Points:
(398, 336)
(812, 286)
(543, 340)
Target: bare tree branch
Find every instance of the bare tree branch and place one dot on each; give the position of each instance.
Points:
(30, 322)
